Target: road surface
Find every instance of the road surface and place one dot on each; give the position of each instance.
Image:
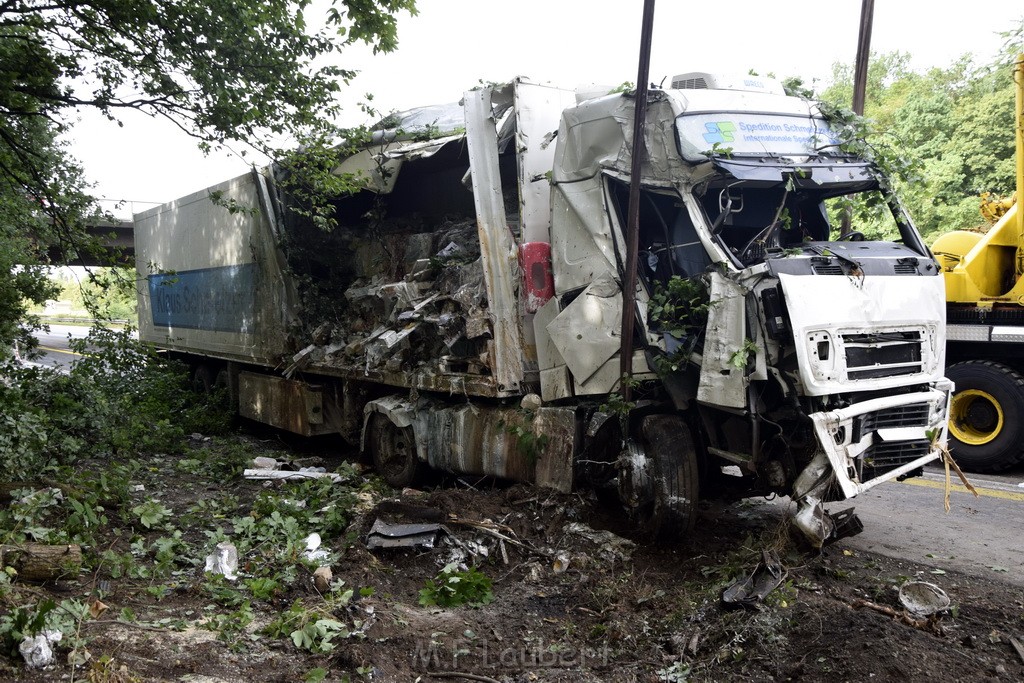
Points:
(980, 536)
(54, 347)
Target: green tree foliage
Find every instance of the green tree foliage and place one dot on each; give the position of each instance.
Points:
(224, 71)
(951, 128)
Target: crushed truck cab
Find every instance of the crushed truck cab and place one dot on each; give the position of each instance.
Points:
(466, 312)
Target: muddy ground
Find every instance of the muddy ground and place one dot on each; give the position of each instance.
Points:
(566, 602)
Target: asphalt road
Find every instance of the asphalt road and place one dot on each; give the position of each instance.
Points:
(980, 536)
(54, 347)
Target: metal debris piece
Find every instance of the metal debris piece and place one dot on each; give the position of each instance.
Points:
(750, 591)
(922, 599)
(384, 535)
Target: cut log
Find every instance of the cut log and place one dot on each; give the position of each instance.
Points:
(41, 562)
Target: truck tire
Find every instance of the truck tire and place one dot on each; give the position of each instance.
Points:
(668, 443)
(202, 379)
(986, 416)
(393, 450)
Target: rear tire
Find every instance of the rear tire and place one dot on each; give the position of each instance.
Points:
(986, 416)
(674, 474)
(393, 450)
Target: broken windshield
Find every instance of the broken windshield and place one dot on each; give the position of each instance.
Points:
(754, 220)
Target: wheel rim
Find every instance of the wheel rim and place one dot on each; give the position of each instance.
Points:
(975, 417)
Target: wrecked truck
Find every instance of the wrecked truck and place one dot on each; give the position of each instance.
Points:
(465, 312)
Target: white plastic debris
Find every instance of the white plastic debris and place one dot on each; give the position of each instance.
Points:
(303, 473)
(223, 561)
(561, 563)
(314, 553)
(38, 650)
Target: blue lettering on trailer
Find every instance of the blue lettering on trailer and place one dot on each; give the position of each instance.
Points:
(220, 299)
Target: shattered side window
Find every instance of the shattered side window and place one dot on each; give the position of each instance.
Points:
(668, 241)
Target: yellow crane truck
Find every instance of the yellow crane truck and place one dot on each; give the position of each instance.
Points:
(984, 276)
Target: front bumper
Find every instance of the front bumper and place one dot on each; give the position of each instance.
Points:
(881, 439)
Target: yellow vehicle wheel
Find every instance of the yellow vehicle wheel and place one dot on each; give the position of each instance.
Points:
(975, 417)
(986, 416)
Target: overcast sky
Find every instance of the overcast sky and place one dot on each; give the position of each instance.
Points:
(453, 44)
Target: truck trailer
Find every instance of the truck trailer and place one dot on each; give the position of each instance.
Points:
(465, 312)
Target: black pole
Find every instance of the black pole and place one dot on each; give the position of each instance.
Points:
(633, 213)
(860, 72)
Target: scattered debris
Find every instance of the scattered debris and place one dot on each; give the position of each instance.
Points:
(314, 553)
(322, 578)
(610, 546)
(38, 649)
(922, 599)
(292, 475)
(224, 561)
(262, 462)
(930, 624)
(384, 535)
(749, 592)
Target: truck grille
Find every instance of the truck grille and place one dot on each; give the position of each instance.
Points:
(913, 415)
(884, 457)
(882, 354)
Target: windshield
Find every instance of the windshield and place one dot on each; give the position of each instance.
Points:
(755, 220)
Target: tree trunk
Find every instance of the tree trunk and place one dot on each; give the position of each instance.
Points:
(41, 562)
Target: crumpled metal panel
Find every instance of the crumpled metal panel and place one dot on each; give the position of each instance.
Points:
(582, 246)
(537, 111)
(722, 384)
(379, 166)
(586, 333)
(384, 535)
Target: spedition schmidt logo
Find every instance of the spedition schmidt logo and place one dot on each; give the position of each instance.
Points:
(719, 132)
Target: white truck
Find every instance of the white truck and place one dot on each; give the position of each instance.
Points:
(465, 313)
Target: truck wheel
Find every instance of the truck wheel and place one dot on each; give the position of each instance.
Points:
(986, 416)
(393, 450)
(202, 379)
(674, 475)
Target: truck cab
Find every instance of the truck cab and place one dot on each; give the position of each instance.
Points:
(799, 356)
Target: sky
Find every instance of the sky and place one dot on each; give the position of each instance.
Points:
(451, 45)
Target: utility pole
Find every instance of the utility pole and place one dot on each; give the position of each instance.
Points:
(860, 72)
(633, 212)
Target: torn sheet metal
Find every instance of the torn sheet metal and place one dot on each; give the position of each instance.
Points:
(587, 332)
(379, 167)
(584, 246)
(384, 535)
(497, 246)
(721, 383)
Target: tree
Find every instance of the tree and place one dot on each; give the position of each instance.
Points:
(223, 71)
(951, 128)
